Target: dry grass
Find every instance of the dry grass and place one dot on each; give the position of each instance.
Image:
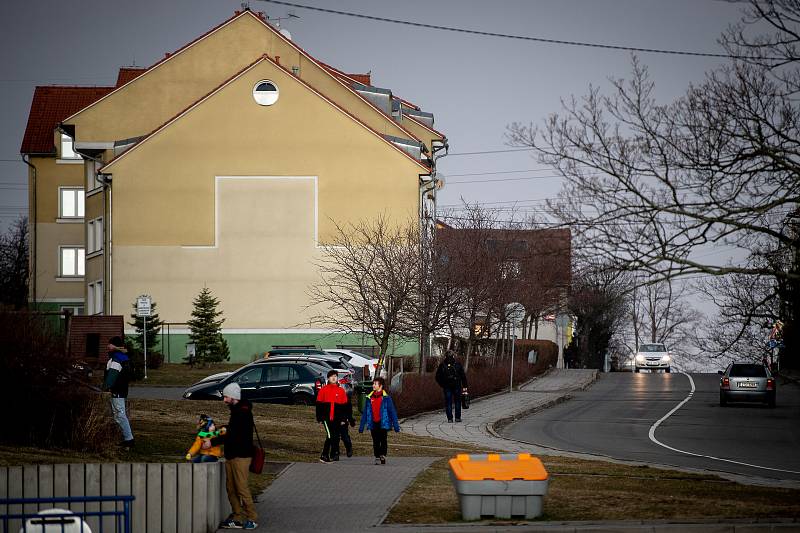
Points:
(595, 490)
(164, 431)
(181, 375)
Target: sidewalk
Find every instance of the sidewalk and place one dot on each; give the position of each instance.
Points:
(476, 427)
(350, 495)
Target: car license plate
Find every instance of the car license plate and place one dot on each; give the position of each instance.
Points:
(747, 385)
(652, 363)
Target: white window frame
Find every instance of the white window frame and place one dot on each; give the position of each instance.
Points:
(76, 310)
(80, 266)
(94, 236)
(80, 204)
(92, 183)
(94, 293)
(67, 148)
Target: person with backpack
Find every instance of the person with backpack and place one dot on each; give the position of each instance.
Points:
(453, 380)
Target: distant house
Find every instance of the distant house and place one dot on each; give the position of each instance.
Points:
(534, 266)
(225, 164)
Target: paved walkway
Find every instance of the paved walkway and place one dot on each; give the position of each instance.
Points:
(351, 495)
(475, 427)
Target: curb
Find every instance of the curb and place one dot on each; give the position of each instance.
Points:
(494, 427)
(730, 525)
(479, 398)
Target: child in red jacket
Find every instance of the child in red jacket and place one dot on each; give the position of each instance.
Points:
(332, 411)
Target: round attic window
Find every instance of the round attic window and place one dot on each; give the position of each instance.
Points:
(265, 93)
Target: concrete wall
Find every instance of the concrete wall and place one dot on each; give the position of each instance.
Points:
(170, 498)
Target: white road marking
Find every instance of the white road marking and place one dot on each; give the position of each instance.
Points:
(652, 435)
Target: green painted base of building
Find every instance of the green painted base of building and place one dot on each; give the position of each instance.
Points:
(246, 347)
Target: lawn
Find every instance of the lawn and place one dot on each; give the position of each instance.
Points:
(596, 490)
(182, 375)
(164, 431)
(579, 490)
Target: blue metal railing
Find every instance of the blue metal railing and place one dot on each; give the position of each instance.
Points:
(68, 521)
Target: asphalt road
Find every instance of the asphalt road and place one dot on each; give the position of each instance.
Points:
(614, 416)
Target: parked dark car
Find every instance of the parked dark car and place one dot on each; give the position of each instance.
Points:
(269, 381)
(747, 382)
(348, 374)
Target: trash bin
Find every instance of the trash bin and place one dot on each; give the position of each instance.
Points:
(502, 486)
(361, 390)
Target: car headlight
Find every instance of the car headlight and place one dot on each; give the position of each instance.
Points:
(665, 359)
(640, 358)
(187, 394)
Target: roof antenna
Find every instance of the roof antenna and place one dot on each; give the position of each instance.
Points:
(290, 15)
(245, 6)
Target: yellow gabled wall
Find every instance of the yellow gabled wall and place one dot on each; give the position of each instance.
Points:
(267, 181)
(164, 188)
(148, 101)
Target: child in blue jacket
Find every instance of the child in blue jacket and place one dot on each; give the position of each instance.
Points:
(379, 417)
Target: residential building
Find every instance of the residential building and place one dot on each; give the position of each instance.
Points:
(229, 164)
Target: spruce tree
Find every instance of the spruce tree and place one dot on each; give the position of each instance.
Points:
(205, 329)
(153, 329)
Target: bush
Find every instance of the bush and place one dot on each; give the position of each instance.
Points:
(48, 401)
(421, 393)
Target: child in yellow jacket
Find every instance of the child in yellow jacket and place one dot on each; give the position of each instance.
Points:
(205, 430)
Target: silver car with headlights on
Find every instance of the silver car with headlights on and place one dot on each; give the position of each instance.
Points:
(653, 356)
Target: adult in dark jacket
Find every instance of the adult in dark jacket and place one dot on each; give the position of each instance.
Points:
(453, 380)
(237, 437)
(117, 376)
(333, 411)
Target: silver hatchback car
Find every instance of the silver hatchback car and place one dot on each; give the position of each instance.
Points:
(746, 382)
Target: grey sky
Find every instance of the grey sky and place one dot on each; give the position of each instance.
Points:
(474, 85)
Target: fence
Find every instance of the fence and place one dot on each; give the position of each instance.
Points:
(168, 497)
(63, 521)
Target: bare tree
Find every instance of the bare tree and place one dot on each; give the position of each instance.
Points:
(432, 304)
(748, 306)
(14, 266)
(474, 261)
(661, 313)
(369, 272)
(598, 302)
(647, 186)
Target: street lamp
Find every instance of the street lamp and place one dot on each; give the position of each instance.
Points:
(516, 314)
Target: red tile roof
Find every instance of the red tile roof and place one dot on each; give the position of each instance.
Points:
(51, 105)
(127, 74)
(364, 79)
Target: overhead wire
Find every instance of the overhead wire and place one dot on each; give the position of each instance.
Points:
(482, 33)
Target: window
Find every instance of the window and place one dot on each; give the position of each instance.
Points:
(748, 371)
(510, 269)
(70, 202)
(75, 310)
(94, 235)
(265, 93)
(249, 378)
(71, 261)
(67, 148)
(92, 182)
(280, 374)
(95, 297)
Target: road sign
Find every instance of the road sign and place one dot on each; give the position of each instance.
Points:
(143, 305)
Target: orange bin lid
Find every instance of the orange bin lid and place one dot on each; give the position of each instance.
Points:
(495, 468)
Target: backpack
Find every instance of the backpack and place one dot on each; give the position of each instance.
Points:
(451, 377)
